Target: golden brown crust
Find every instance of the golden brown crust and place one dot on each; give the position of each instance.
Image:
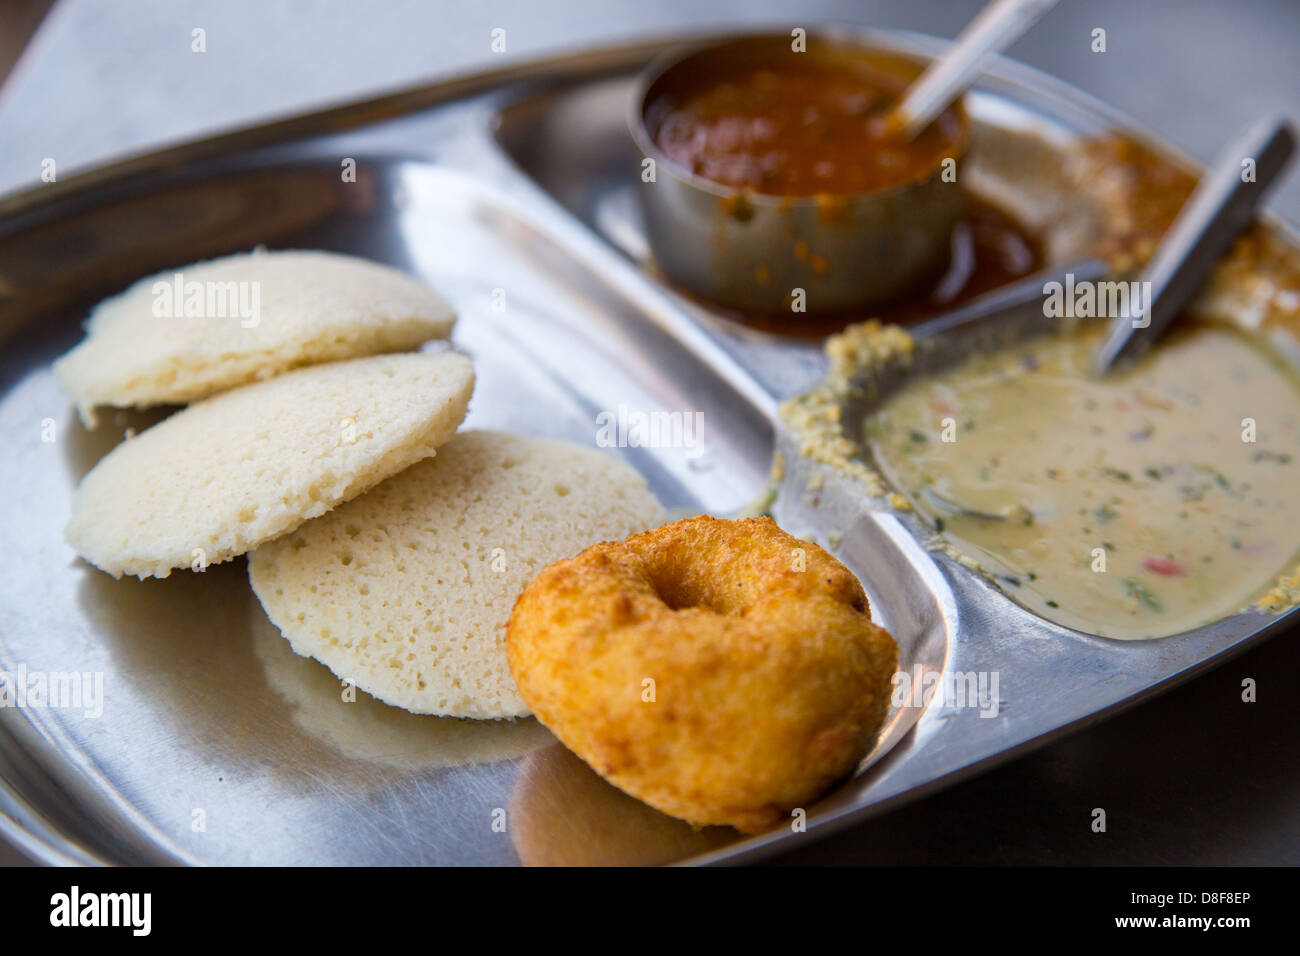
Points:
(724, 672)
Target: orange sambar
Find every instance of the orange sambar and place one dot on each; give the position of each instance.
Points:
(806, 127)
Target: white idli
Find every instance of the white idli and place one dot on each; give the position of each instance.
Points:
(226, 474)
(188, 333)
(406, 590)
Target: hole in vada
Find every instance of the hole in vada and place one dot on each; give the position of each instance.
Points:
(681, 592)
(678, 599)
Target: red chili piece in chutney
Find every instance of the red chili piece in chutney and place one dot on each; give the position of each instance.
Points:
(801, 130)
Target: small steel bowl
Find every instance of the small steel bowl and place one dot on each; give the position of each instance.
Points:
(753, 251)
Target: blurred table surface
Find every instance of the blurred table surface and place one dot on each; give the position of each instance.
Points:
(1195, 777)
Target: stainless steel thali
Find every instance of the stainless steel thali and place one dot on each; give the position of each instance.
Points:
(510, 192)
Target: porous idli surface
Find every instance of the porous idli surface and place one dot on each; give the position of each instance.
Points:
(226, 474)
(406, 590)
(240, 319)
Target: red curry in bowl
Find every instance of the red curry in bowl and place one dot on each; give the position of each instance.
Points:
(802, 126)
(772, 181)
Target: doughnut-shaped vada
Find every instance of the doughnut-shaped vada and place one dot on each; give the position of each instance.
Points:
(723, 672)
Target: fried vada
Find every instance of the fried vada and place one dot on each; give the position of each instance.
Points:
(723, 672)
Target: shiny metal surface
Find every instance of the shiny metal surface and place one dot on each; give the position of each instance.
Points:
(750, 251)
(216, 744)
(1220, 209)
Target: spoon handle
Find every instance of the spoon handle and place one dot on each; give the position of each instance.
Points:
(996, 27)
(1220, 208)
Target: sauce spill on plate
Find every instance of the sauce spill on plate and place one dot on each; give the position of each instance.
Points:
(1143, 505)
(989, 249)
